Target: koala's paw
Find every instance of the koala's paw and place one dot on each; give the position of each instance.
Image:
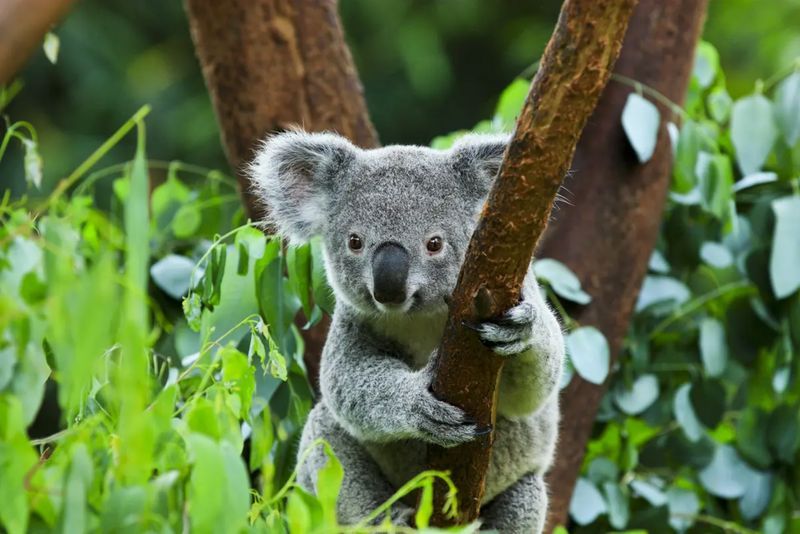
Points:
(444, 424)
(510, 334)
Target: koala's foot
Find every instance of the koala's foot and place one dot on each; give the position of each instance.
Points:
(510, 334)
(521, 508)
(443, 424)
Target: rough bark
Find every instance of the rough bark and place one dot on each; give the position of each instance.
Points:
(23, 24)
(609, 228)
(573, 72)
(273, 64)
(270, 65)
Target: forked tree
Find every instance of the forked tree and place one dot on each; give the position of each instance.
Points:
(270, 64)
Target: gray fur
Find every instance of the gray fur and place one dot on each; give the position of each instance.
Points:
(376, 409)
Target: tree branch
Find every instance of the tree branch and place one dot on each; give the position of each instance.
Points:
(573, 72)
(273, 64)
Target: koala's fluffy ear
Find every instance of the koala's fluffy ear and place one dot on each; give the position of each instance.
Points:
(477, 158)
(294, 174)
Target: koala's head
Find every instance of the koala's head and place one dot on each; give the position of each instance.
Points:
(395, 221)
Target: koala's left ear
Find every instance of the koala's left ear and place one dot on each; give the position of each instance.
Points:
(477, 158)
(294, 173)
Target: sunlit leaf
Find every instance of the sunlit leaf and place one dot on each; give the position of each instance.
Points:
(588, 351)
(753, 132)
(641, 121)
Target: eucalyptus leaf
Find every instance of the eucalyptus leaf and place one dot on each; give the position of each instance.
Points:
(587, 502)
(787, 107)
(563, 281)
(684, 414)
(642, 394)
(753, 180)
(173, 274)
(784, 261)
(753, 132)
(589, 353)
(713, 347)
(727, 475)
(640, 121)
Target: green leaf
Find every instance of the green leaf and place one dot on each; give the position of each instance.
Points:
(708, 401)
(727, 475)
(785, 257)
(684, 414)
(75, 512)
(656, 289)
(51, 45)
(33, 163)
(218, 490)
(751, 436)
(618, 504)
(787, 107)
(716, 184)
(561, 279)
(757, 495)
(713, 347)
(716, 255)
(17, 460)
(753, 180)
(297, 514)
(323, 295)
(783, 433)
(753, 132)
(329, 481)
(173, 274)
(510, 103)
(298, 265)
(683, 506)
(186, 221)
(719, 104)
(639, 397)
(587, 502)
(588, 351)
(706, 64)
(650, 490)
(641, 121)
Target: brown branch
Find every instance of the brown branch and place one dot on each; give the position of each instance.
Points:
(607, 235)
(23, 24)
(270, 65)
(573, 72)
(273, 64)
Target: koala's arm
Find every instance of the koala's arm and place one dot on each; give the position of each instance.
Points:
(530, 336)
(377, 397)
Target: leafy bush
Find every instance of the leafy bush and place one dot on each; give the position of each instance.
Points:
(169, 325)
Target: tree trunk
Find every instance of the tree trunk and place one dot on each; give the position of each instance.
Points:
(573, 72)
(273, 64)
(608, 232)
(270, 65)
(23, 24)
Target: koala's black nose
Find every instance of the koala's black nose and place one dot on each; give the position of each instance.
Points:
(389, 273)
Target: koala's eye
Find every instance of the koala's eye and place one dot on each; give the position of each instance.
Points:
(355, 243)
(434, 244)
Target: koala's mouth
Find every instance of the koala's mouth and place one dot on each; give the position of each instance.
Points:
(413, 303)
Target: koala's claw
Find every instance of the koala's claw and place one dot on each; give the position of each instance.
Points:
(444, 424)
(509, 334)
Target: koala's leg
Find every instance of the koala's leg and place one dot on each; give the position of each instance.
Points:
(522, 508)
(364, 487)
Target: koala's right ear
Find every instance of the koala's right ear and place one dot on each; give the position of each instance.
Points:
(294, 174)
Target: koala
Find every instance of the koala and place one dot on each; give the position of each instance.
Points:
(395, 224)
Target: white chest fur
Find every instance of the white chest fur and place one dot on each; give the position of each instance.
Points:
(418, 334)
